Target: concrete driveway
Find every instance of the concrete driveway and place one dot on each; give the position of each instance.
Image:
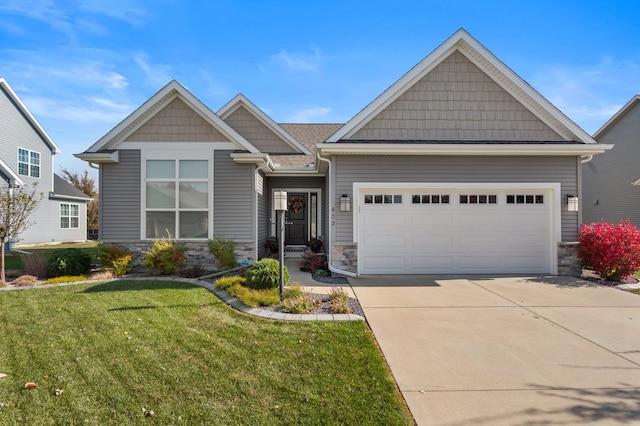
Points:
(513, 351)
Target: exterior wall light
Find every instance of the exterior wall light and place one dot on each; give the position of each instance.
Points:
(572, 203)
(280, 200)
(345, 203)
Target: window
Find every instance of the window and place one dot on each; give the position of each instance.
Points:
(177, 198)
(28, 163)
(430, 199)
(525, 199)
(69, 216)
(478, 199)
(383, 199)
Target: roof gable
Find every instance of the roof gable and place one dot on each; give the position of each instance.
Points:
(621, 114)
(462, 54)
(258, 128)
(175, 105)
(11, 95)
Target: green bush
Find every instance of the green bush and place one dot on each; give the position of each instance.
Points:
(66, 279)
(224, 251)
(265, 274)
(165, 257)
(115, 259)
(226, 282)
(68, 262)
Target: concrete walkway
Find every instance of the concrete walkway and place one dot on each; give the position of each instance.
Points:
(512, 351)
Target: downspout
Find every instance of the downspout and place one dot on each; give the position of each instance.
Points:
(331, 207)
(586, 158)
(255, 185)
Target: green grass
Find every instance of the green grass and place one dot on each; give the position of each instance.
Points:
(636, 291)
(175, 349)
(13, 262)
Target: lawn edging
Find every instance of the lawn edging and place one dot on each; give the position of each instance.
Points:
(221, 294)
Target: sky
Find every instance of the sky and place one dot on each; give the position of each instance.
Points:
(82, 66)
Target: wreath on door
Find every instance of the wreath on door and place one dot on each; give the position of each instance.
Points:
(296, 204)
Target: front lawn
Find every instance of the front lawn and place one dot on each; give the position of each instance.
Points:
(112, 353)
(13, 261)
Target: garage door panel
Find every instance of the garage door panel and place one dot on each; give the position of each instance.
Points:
(455, 238)
(431, 242)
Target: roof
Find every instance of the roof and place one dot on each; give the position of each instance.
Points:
(308, 135)
(480, 56)
(241, 101)
(165, 95)
(4, 86)
(64, 190)
(617, 116)
(12, 176)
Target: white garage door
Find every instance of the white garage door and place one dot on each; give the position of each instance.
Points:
(474, 230)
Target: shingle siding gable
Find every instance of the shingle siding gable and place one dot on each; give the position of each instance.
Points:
(456, 100)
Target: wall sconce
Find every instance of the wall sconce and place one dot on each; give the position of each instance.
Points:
(572, 203)
(345, 203)
(280, 200)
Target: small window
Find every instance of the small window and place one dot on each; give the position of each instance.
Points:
(69, 216)
(478, 199)
(525, 199)
(430, 199)
(28, 163)
(383, 199)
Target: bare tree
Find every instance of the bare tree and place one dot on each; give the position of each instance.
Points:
(16, 205)
(87, 185)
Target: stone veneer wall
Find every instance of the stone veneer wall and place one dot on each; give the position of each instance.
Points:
(568, 261)
(345, 257)
(197, 253)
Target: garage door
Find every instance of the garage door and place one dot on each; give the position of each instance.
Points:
(474, 230)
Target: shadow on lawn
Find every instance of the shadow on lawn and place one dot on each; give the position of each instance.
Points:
(129, 285)
(136, 308)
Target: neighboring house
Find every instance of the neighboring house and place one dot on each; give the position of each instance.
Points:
(611, 182)
(458, 167)
(26, 158)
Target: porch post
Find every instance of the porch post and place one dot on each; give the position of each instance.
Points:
(280, 204)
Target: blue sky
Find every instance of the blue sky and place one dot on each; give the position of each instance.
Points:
(81, 66)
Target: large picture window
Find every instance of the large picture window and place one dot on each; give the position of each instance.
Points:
(69, 216)
(28, 163)
(177, 199)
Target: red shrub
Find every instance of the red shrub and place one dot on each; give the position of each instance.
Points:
(613, 251)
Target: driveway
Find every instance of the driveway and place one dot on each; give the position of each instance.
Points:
(514, 351)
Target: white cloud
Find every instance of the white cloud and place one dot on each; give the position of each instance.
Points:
(298, 61)
(88, 110)
(308, 114)
(129, 11)
(156, 75)
(589, 95)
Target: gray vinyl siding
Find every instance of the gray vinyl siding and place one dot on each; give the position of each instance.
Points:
(608, 193)
(455, 169)
(120, 202)
(233, 196)
(17, 131)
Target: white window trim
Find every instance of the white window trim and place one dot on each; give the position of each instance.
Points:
(181, 153)
(60, 215)
(29, 164)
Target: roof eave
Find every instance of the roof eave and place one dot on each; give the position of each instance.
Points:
(99, 157)
(461, 149)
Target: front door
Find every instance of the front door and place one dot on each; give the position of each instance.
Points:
(296, 228)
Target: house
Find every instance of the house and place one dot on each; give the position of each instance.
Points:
(26, 158)
(458, 167)
(611, 182)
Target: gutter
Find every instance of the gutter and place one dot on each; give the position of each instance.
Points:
(331, 207)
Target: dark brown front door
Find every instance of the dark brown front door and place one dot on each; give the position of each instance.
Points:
(296, 228)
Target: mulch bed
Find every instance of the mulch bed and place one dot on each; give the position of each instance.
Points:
(592, 276)
(322, 307)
